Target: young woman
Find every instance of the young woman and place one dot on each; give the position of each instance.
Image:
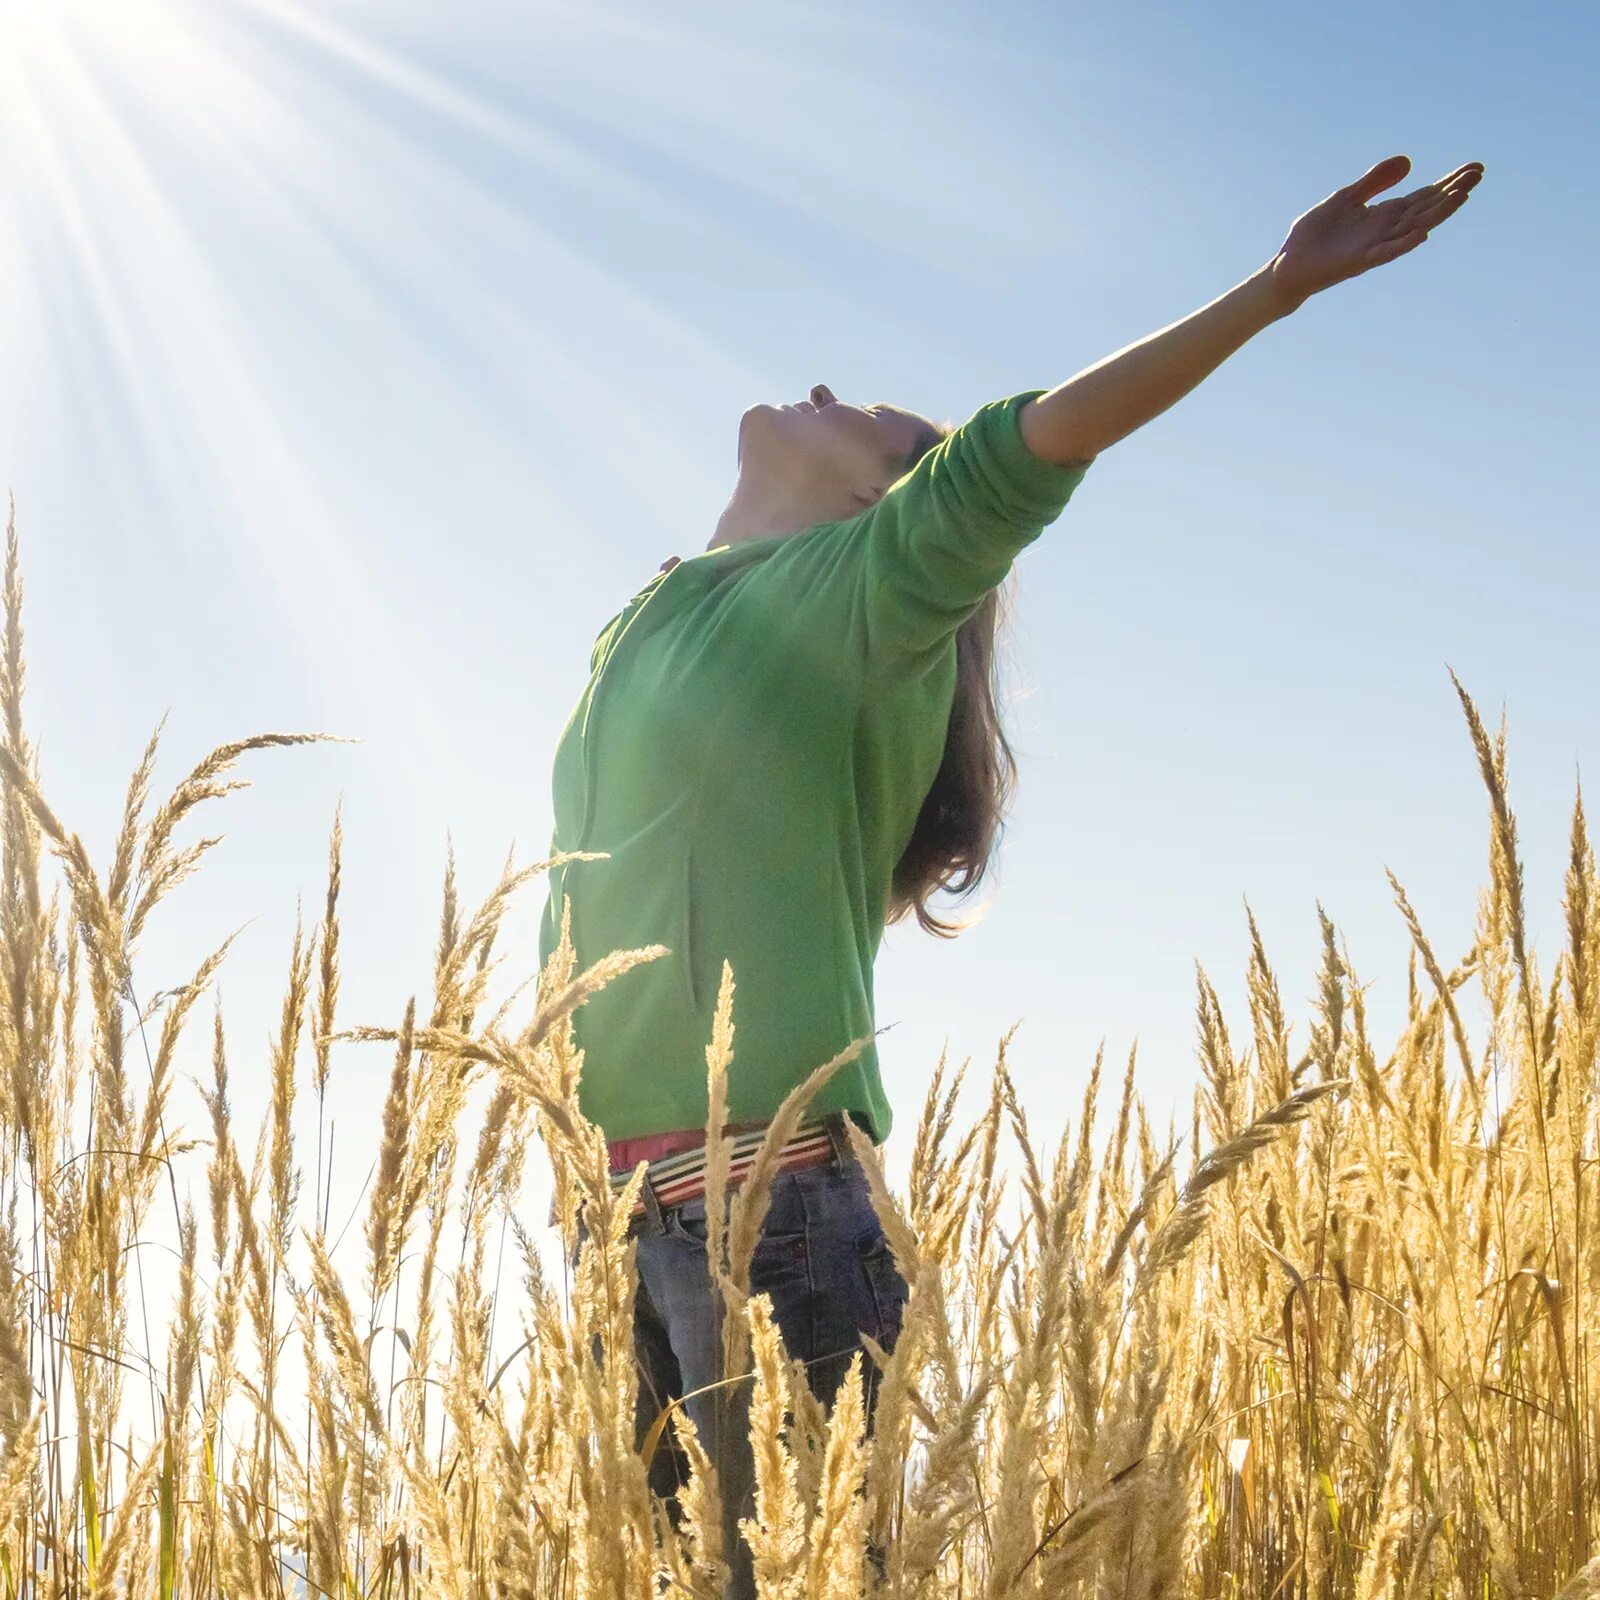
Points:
(790, 740)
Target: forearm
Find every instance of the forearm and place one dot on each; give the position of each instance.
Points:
(1106, 402)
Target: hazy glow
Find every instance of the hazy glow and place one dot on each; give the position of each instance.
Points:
(363, 358)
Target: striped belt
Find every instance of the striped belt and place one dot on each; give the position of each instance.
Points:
(680, 1174)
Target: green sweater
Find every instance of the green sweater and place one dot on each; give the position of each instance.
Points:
(759, 731)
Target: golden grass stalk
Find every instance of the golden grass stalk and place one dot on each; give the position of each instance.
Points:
(776, 1534)
(1354, 1363)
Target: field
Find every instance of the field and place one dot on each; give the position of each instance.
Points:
(1340, 1349)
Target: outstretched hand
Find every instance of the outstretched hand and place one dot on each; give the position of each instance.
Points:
(1343, 236)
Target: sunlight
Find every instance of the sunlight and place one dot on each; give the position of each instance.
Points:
(142, 136)
(147, 46)
(209, 201)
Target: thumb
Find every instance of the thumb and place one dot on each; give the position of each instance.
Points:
(1378, 178)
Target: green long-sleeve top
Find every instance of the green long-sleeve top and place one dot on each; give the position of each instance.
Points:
(760, 728)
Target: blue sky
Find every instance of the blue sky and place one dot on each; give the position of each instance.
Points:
(363, 360)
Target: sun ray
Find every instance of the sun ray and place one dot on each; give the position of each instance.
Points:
(211, 192)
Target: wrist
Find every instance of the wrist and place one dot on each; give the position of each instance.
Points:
(1279, 291)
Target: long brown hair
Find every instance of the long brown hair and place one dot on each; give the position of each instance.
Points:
(961, 817)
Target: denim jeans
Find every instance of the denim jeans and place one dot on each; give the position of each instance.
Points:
(823, 1259)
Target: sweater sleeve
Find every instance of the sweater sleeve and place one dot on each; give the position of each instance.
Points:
(947, 532)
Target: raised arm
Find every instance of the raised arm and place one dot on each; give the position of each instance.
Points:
(1339, 238)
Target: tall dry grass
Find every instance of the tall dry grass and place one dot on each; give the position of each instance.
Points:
(1343, 1349)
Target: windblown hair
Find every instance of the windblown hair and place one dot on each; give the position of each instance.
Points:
(962, 813)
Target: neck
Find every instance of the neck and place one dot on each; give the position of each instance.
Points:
(773, 510)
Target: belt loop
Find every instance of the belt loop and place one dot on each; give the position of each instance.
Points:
(652, 1205)
(843, 1152)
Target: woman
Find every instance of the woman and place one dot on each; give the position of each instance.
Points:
(790, 740)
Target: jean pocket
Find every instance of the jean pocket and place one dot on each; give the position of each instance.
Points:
(687, 1219)
(888, 1289)
(783, 1246)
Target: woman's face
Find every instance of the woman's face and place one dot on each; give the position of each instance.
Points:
(844, 455)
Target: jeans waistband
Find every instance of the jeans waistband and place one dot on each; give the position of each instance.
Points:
(673, 1179)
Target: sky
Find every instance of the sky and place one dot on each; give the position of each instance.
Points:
(362, 360)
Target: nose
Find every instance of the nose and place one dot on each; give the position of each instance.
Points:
(821, 395)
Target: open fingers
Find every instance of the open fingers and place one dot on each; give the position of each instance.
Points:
(1463, 178)
(1430, 213)
(1411, 233)
(1429, 206)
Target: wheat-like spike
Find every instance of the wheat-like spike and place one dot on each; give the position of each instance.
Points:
(339, 1326)
(944, 1495)
(777, 1533)
(172, 869)
(97, 923)
(902, 1241)
(120, 878)
(1266, 1012)
(327, 1531)
(835, 1565)
(1153, 1188)
(718, 1160)
(982, 1331)
(385, 1226)
(705, 1559)
(1092, 1526)
(749, 1208)
(514, 1558)
(1179, 1229)
(1163, 1529)
(1442, 985)
(1423, 1570)
(184, 1357)
(1111, 1190)
(12, 666)
(591, 981)
(219, 1175)
(1219, 1071)
(16, 1385)
(1491, 763)
(19, 1469)
(283, 1180)
(1084, 1157)
(328, 961)
(172, 1027)
(463, 971)
(203, 783)
(123, 1526)
(448, 1570)
(487, 1159)
(439, 1041)
(929, 1134)
(898, 1405)
(1578, 903)
(1033, 1184)
(1379, 1574)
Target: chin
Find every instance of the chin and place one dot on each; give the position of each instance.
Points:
(756, 416)
(764, 421)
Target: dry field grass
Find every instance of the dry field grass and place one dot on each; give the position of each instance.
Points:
(1341, 1350)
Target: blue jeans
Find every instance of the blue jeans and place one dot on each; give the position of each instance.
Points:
(823, 1259)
